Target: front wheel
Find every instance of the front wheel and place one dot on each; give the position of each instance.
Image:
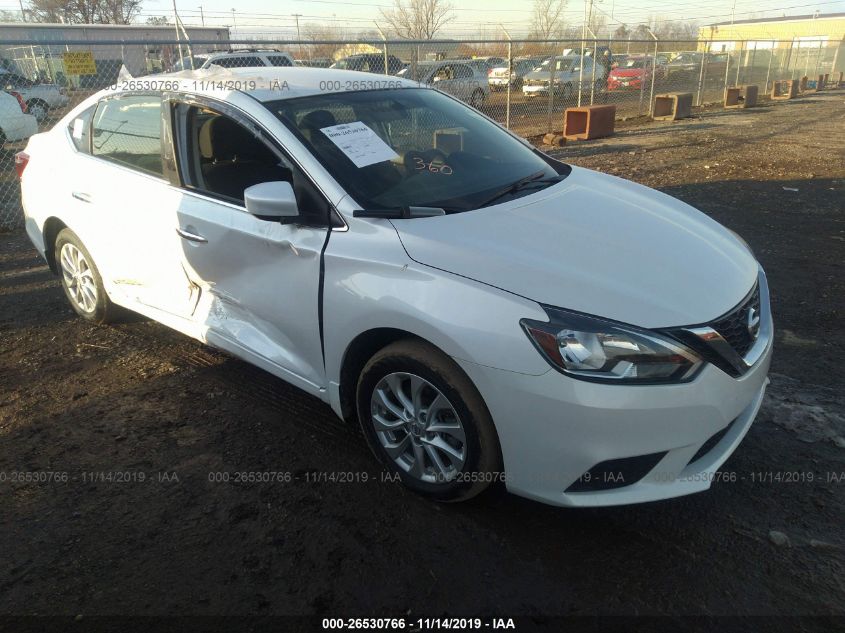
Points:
(81, 280)
(426, 422)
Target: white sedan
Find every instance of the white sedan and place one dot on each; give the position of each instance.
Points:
(483, 311)
(15, 123)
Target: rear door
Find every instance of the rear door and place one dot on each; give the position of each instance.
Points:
(123, 185)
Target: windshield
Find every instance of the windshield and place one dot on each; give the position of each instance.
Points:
(560, 65)
(633, 63)
(410, 147)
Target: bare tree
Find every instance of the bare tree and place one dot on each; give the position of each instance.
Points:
(84, 11)
(548, 19)
(417, 19)
(314, 32)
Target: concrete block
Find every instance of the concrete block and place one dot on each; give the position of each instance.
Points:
(802, 83)
(595, 121)
(554, 139)
(784, 89)
(672, 106)
(741, 96)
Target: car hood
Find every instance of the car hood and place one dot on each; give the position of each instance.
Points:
(596, 244)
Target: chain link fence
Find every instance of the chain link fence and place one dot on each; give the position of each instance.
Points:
(525, 85)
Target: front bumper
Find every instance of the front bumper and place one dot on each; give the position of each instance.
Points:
(554, 429)
(533, 91)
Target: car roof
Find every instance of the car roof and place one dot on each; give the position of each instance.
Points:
(270, 83)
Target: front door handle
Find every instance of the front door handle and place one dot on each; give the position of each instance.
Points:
(191, 237)
(84, 197)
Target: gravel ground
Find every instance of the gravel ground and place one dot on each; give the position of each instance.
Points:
(139, 399)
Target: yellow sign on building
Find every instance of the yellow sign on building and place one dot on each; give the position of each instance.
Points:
(79, 63)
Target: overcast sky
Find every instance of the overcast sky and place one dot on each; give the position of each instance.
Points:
(471, 17)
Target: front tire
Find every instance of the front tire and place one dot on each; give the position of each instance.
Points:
(477, 99)
(426, 422)
(81, 279)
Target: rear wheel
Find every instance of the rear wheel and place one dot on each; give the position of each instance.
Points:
(477, 98)
(38, 108)
(426, 422)
(81, 280)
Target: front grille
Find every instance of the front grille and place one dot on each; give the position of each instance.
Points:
(734, 326)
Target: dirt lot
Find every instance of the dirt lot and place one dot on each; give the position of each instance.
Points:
(139, 399)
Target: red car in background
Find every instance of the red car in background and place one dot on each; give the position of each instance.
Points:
(631, 72)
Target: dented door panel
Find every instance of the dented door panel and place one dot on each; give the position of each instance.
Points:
(259, 283)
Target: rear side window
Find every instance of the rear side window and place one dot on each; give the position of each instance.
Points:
(80, 130)
(237, 62)
(127, 131)
(279, 60)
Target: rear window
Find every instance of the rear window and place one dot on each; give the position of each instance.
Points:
(237, 62)
(279, 60)
(79, 130)
(127, 131)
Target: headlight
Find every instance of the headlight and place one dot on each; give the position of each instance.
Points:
(594, 349)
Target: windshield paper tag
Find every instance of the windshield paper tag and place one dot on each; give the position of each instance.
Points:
(360, 144)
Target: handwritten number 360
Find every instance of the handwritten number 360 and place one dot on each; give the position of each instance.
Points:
(419, 163)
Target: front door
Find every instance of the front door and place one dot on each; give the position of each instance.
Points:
(259, 279)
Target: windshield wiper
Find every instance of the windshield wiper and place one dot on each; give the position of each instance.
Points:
(533, 179)
(399, 213)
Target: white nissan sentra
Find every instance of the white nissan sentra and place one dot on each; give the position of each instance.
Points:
(483, 311)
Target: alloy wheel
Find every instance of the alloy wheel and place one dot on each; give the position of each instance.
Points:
(418, 428)
(78, 278)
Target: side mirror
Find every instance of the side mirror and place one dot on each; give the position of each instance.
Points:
(271, 201)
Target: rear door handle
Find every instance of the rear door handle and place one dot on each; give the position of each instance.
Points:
(84, 197)
(191, 237)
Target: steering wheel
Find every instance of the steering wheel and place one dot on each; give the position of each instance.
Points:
(414, 159)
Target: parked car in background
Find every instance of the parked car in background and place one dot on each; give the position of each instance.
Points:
(567, 75)
(498, 77)
(39, 98)
(485, 64)
(483, 312)
(687, 65)
(15, 123)
(316, 62)
(369, 63)
(245, 58)
(454, 77)
(632, 72)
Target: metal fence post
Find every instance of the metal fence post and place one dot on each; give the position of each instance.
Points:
(769, 68)
(581, 66)
(653, 75)
(739, 62)
(510, 75)
(700, 98)
(727, 73)
(553, 64)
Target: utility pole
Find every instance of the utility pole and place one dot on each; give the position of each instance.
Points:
(202, 16)
(234, 21)
(178, 39)
(298, 36)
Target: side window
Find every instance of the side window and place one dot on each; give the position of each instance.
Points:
(463, 72)
(237, 62)
(127, 131)
(279, 60)
(222, 158)
(80, 130)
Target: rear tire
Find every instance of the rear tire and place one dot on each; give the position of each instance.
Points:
(39, 109)
(81, 280)
(477, 99)
(426, 422)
